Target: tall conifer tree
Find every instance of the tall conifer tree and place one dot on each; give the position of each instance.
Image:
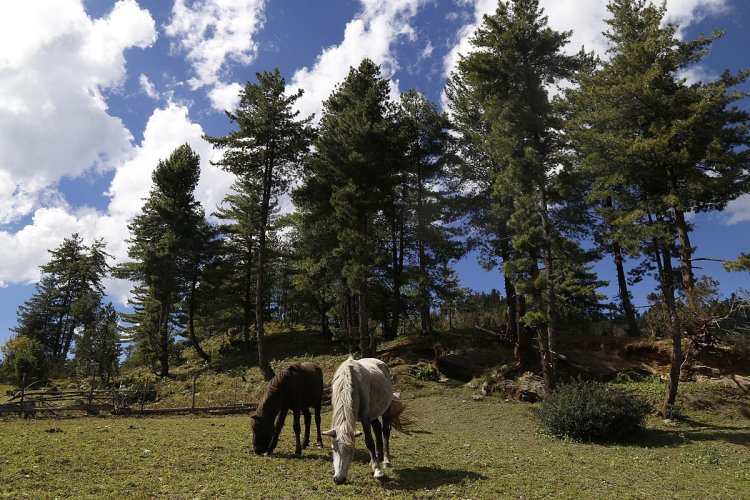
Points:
(265, 154)
(516, 58)
(660, 147)
(162, 239)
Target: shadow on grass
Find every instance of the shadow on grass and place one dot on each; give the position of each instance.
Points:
(418, 478)
(305, 456)
(696, 431)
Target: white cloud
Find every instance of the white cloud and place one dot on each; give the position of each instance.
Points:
(148, 87)
(167, 128)
(427, 51)
(371, 34)
(54, 65)
(738, 210)
(586, 20)
(584, 17)
(225, 97)
(214, 33)
(687, 12)
(465, 33)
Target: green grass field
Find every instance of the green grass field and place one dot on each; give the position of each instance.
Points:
(462, 449)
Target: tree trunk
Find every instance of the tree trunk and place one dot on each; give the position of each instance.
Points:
(424, 292)
(397, 257)
(549, 362)
(325, 329)
(686, 259)
(627, 306)
(247, 301)
(191, 320)
(164, 314)
(366, 339)
(667, 286)
(542, 332)
(524, 339)
(511, 320)
(265, 366)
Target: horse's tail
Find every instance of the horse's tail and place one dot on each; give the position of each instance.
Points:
(400, 421)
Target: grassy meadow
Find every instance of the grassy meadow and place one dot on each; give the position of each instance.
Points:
(461, 448)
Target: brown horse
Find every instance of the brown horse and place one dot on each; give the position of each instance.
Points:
(298, 387)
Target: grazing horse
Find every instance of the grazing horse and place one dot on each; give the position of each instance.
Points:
(298, 387)
(361, 390)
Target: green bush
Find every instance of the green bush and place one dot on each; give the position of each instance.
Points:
(426, 371)
(592, 411)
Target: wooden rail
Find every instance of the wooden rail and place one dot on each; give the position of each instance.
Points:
(114, 401)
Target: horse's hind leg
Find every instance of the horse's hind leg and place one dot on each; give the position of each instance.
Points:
(387, 438)
(378, 439)
(377, 471)
(319, 442)
(297, 445)
(308, 418)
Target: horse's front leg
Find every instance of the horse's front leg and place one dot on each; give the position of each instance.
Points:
(377, 471)
(308, 419)
(279, 425)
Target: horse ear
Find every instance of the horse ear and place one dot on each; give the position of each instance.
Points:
(357, 433)
(331, 433)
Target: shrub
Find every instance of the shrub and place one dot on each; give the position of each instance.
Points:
(592, 411)
(426, 371)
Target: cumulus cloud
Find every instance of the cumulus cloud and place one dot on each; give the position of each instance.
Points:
(54, 66)
(738, 210)
(584, 17)
(214, 33)
(225, 97)
(167, 128)
(371, 34)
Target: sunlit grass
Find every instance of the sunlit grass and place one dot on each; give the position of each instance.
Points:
(462, 448)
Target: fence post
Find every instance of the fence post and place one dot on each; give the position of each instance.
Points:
(192, 405)
(23, 390)
(91, 395)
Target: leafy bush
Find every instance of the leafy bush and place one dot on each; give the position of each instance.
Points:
(23, 357)
(592, 411)
(426, 371)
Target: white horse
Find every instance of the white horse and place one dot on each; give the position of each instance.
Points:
(361, 390)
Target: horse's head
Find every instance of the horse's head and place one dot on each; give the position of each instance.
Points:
(343, 453)
(263, 432)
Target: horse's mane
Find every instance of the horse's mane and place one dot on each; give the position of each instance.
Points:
(343, 419)
(273, 388)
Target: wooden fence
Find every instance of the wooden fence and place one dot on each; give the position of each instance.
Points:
(94, 402)
(26, 402)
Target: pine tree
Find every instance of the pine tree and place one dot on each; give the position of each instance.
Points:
(97, 350)
(349, 179)
(265, 154)
(427, 186)
(517, 56)
(162, 245)
(661, 147)
(66, 298)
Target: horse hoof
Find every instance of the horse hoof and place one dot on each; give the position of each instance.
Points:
(386, 463)
(319, 444)
(379, 474)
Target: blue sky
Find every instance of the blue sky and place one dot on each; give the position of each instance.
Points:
(93, 93)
